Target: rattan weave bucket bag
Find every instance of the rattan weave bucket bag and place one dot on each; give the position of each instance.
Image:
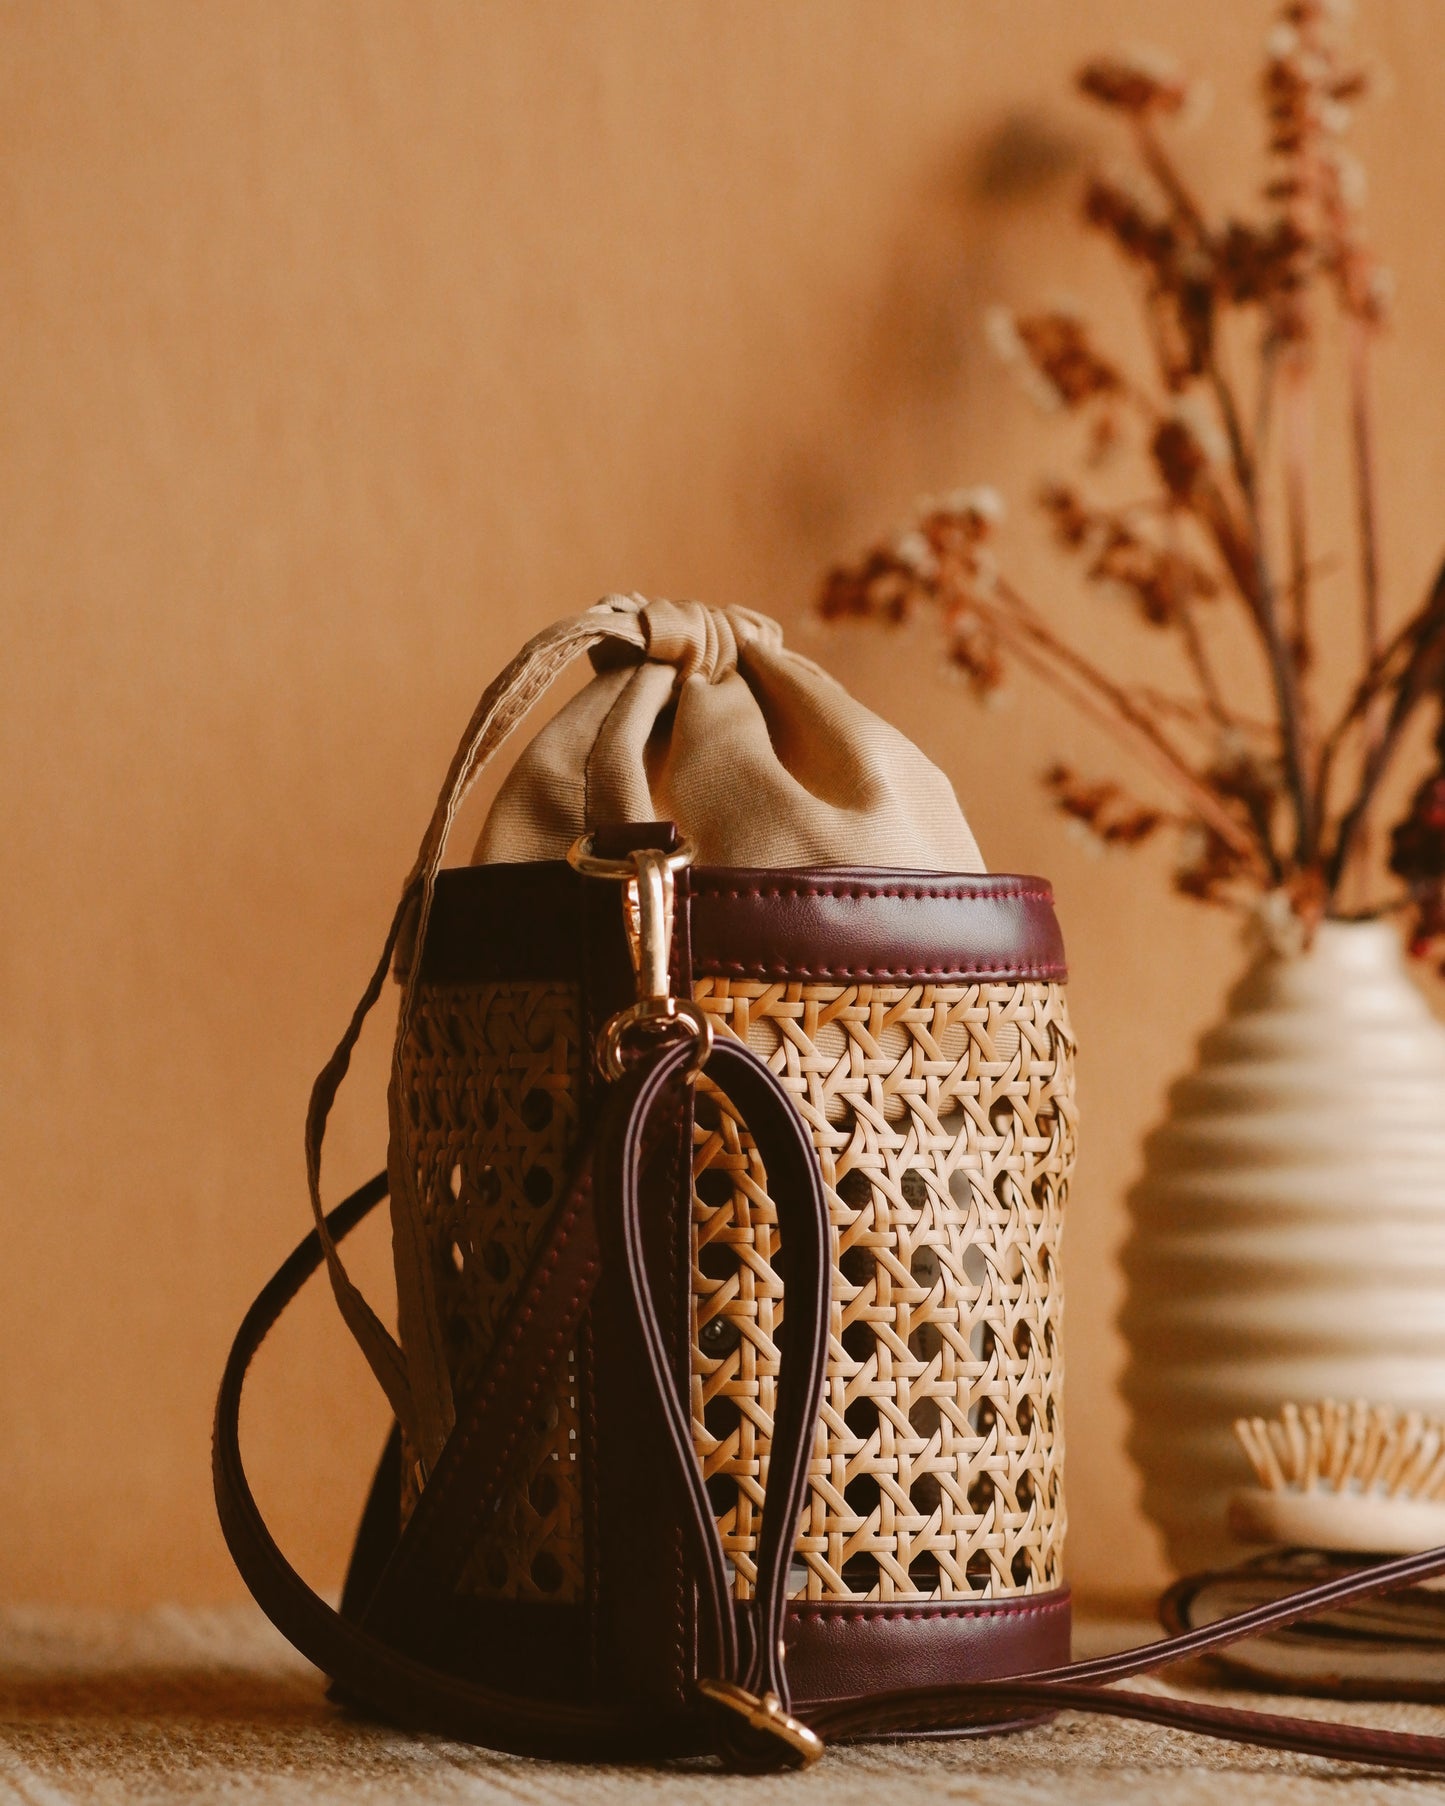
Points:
(732, 1124)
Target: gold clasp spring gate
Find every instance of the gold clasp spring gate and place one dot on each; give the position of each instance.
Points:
(766, 1714)
(648, 902)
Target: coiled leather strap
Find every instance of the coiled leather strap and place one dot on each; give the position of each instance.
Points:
(742, 1657)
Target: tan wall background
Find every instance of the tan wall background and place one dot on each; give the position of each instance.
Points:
(341, 346)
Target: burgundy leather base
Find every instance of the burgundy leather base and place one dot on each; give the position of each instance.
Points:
(837, 1649)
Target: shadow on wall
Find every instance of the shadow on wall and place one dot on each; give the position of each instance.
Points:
(920, 371)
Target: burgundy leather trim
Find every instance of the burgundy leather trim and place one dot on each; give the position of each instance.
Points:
(833, 923)
(837, 1649)
(861, 924)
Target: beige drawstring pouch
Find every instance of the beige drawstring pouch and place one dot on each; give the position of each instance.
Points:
(695, 715)
(704, 717)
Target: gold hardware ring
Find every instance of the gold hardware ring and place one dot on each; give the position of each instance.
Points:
(656, 1014)
(649, 877)
(766, 1714)
(591, 865)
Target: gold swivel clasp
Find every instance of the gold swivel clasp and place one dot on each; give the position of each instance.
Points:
(648, 902)
(766, 1714)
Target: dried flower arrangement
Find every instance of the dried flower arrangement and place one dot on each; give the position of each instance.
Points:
(1274, 807)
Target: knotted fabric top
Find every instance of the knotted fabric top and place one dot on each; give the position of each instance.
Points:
(703, 717)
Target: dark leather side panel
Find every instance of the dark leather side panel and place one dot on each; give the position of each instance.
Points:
(637, 1580)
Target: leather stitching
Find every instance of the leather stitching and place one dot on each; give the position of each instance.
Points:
(591, 1526)
(670, 1315)
(822, 1611)
(959, 969)
(501, 1370)
(852, 891)
(861, 893)
(677, 1310)
(549, 1353)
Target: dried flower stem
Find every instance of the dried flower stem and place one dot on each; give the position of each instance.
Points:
(1204, 672)
(1362, 447)
(1201, 717)
(1362, 439)
(1296, 492)
(1166, 173)
(1114, 708)
(1423, 675)
(1264, 396)
(1245, 553)
(1385, 673)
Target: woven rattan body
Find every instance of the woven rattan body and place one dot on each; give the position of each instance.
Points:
(934, 1071)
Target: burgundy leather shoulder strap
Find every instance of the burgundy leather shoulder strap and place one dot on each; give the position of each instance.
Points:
(423, 1695)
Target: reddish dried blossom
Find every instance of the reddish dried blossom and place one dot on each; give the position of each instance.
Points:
(1059, 348)
(1259, 263)
(877, 586)
(1104, 808)
(1239, 775)
(1163, 581)
(1308, 92)
(1143, 86)
(943, 558)
(1427, 931)
(1180, 458)
(1072, 521)
(1214, 869)
(1148, 238)
(1181, 278)
(1417, 846)
(974, 649)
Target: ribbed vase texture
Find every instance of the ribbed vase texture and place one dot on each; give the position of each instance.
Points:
(1288, 1233)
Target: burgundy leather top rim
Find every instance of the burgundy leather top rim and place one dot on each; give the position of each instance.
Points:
(825, 924)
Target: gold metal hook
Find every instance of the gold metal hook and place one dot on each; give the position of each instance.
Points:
(648, 912)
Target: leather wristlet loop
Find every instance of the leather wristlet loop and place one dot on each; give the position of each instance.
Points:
(757, 1735)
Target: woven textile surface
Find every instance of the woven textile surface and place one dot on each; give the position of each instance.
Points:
(175, 1706)
(943, 1118)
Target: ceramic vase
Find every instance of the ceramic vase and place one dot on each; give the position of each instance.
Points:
(1287, 1236)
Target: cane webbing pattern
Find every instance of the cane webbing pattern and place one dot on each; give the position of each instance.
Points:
(488, 1087)
(943, 1118)
(944, 1122)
